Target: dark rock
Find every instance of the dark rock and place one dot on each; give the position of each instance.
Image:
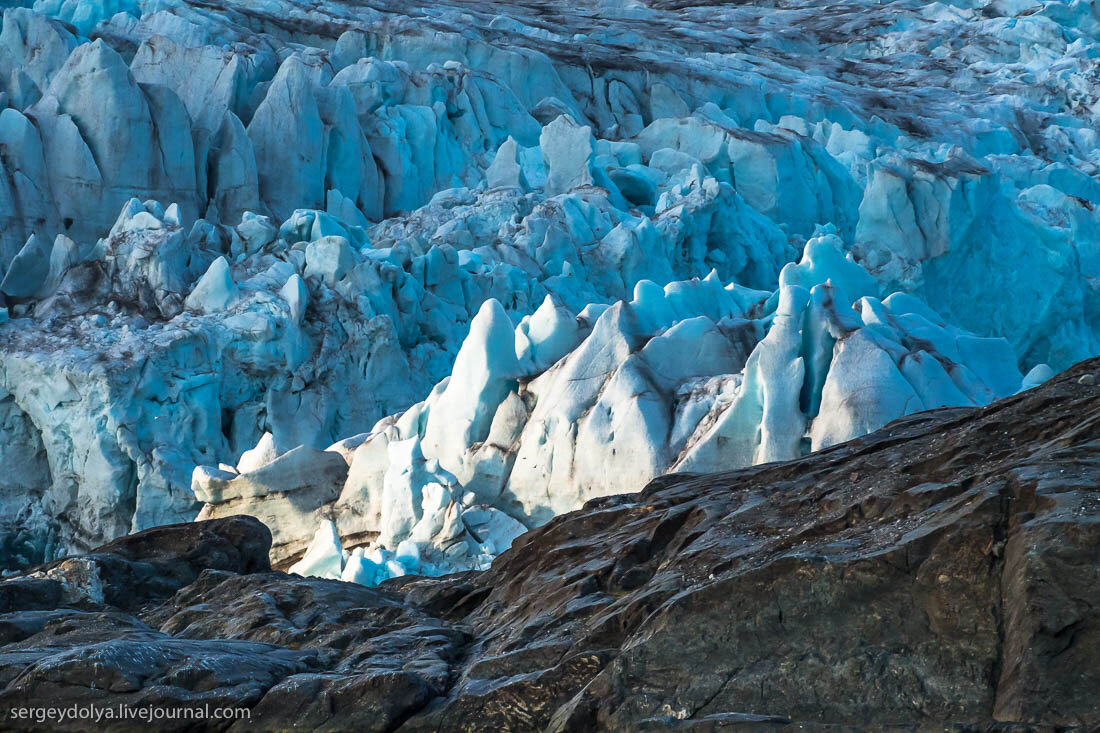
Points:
(378, 700)
(383, 659)
(29, 594)
(238, 544)
(144, 567)
(942, 573)
(142, 668)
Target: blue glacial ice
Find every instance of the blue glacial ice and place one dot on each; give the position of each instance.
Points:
(407, 279)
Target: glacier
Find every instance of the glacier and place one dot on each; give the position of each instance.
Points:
(405, 280)
(536, 420)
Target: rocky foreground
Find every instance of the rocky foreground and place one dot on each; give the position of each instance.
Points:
(941, 572)
(244, 232)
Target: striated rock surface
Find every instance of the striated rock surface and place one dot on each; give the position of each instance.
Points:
(941, 572)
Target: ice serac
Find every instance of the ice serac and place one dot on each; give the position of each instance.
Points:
(323, 557)
(567, 149)
(287, 136)
(537, 419)
(107, 139)
(34, 47)
(28, 270)
(640, 239)
(506, 169)
(484, 374)
(215, 290)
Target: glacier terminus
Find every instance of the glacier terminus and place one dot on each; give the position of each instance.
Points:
(405, 280)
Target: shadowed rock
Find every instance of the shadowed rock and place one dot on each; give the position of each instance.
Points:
(150, 565)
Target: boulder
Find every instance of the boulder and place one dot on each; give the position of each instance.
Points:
(142, 568)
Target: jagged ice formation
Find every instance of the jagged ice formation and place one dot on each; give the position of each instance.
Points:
(235, 236)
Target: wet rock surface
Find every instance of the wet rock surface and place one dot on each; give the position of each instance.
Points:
(940, 572)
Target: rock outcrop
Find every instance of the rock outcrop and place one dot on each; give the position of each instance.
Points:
(940, 572)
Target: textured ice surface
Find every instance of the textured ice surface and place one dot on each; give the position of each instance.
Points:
(694, 376)
(483, 261)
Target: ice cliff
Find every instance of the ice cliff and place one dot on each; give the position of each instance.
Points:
(411, 278)
(566, 407)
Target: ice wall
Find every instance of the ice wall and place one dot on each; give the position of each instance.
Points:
(278, 218)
